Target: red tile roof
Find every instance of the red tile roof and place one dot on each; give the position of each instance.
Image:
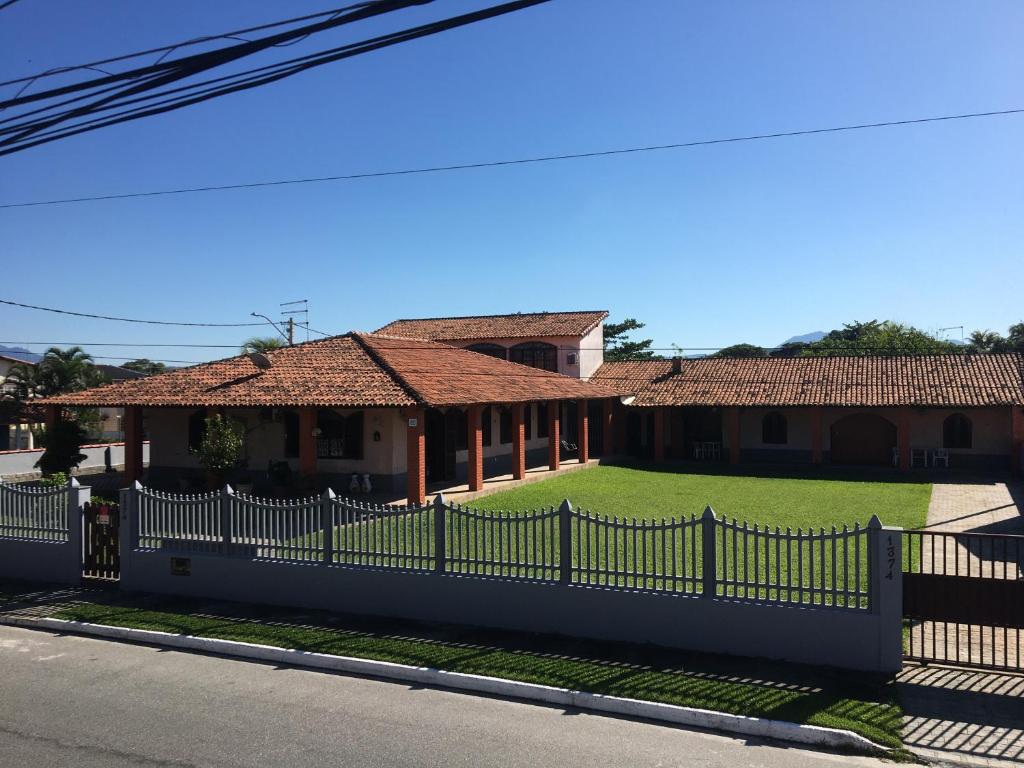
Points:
(354, 370)
(957, 381)
(517, 326)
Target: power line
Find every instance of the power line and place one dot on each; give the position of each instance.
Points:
(519, 161)
(7, 4)
(147, 79)
(128, 319)
(233, 35)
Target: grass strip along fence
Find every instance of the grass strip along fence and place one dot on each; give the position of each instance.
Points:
(700, 556)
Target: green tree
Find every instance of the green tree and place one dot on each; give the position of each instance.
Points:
(67, 370)
(63, 442)
(618, 347)
(146, 366)
(741, 350)
(879, 338)
(221, 448)
(262, 344)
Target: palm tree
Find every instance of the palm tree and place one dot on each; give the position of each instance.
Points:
(67, 370)
(264, 344)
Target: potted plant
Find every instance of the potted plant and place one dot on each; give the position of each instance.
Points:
(220, 450)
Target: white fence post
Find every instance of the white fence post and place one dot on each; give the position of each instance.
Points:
(440, 545)
(708, 566)
(327, 525)
(227, 495)
(129, 532)
(885, 591)
(77, 497)
(565, 542)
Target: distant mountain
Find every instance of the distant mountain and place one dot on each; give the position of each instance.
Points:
(806, 338)
(20, 353)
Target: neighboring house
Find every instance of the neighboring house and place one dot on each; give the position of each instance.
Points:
(407, 412)
(570, 343)
(16, 433)
(841, 410)
(16, 425)
(111, 424)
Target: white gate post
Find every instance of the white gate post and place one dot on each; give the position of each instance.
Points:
(77, 496)
(885, 592)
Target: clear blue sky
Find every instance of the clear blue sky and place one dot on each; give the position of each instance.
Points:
(746, 242)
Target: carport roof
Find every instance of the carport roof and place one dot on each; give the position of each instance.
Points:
(952, 381)
(352, 370)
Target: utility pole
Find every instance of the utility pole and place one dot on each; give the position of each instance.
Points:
(291, 308)
(291, 331)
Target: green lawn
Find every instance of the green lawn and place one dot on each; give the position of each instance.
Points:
(861, 703)
(797, 502)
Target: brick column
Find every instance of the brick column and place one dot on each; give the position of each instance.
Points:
(659, 434)
(307, 441)
(816, 435)
(903, 438)
(1016, 439)
(518, 442)
(132, 444)
(554, 438)
(415, 456)
(607, 427)
(733, 420)
(475, 444)
(583, 431)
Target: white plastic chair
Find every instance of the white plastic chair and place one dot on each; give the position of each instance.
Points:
(918, 457)
(940, 454)
(698, 451)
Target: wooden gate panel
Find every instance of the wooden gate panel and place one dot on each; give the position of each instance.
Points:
(101, 556)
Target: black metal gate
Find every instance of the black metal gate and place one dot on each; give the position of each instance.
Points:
(963, 599)
(101, 551)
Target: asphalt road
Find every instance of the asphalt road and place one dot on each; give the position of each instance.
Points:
(70, 701)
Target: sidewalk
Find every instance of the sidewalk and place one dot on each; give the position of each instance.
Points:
(948, 715)
(750, 688)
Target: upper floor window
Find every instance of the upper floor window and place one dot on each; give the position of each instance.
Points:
(493, 350)
(774, 429)
(536, 354)
(956, 431)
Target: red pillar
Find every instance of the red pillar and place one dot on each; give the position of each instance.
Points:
(607, 427)
(659, 434)
(554, 438)
(518, 442)
(1016, 439)
(475, 444)
(307, 441)
(816, 435)
(415, 456)
(583, 431)
(51, 415)
(903, 438)
(132, 443)
(733, 418)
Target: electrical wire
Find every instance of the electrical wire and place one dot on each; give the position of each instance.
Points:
(34, 133)
(516, 161)
(128, 319)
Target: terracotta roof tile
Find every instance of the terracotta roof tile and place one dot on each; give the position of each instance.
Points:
(516, 326)
(354, 370)
(933, 380)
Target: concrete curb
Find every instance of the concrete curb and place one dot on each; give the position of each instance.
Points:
(782, 730)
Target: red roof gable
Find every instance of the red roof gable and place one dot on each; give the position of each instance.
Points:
(515, 326)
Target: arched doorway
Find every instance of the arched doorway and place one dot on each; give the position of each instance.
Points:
(863, 438)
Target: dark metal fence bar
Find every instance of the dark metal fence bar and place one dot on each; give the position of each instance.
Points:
(962, 597)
